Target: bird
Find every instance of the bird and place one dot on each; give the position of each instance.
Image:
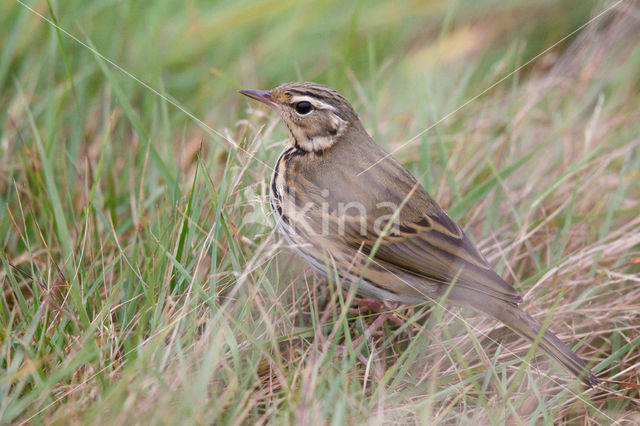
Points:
(349, 208)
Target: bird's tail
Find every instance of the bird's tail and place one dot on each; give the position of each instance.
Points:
(527, 327)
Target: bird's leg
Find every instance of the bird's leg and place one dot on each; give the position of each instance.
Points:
(368, 332)
(366, 305)
(363, 305)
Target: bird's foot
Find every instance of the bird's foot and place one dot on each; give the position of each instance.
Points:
(372, 329)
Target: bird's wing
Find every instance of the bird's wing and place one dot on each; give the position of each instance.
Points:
(432, 247)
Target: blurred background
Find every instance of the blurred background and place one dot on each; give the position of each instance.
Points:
(199, 52)
(141, 277)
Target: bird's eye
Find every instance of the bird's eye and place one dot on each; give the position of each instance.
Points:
(303, 107)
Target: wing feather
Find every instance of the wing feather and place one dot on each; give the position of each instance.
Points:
(442, 254)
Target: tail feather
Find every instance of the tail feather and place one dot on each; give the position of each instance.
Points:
(526, 326)
(523, 324)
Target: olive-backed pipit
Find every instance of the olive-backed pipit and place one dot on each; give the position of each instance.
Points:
(377, 225)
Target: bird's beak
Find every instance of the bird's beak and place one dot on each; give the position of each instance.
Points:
(263, 96)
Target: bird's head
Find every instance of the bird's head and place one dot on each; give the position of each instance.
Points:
(316, 116)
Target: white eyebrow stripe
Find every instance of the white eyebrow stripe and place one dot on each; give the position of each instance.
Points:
(318, 104)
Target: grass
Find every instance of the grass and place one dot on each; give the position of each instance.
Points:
(142, 279)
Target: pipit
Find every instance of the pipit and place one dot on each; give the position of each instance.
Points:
(377, 227)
